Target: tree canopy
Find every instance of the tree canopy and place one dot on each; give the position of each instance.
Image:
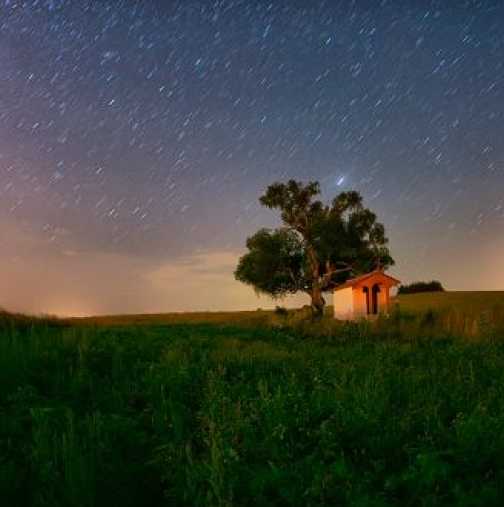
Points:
(415, 287)
(318, 245)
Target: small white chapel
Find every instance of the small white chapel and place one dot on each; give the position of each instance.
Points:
(363, 297)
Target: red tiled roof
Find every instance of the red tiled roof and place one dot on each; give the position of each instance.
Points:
(359, 279)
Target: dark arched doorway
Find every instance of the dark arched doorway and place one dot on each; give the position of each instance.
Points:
(374, 298)
(368, 307)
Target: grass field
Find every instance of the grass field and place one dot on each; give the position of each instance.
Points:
(256, 409)
(469, 303)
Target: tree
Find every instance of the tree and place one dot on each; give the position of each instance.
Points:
(317, 247)
(415, 287)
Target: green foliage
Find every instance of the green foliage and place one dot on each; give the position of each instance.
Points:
(402, 411)
(274, 263)
(416, 287)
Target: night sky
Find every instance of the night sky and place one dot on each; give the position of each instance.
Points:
(136, 137)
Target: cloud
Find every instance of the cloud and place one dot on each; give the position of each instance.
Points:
(39, 276)
(205, 282)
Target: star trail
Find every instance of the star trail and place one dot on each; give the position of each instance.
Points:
(136, 137)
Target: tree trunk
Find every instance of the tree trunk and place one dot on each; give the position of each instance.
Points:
(317, 300)
(317, 303)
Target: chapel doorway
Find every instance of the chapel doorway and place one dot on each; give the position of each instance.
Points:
(374, 297)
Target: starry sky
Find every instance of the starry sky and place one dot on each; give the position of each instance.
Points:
(136, 137)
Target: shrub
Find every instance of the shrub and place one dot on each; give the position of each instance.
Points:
(281, 311)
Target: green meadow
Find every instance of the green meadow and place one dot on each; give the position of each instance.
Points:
(470, 304)
(256, 408)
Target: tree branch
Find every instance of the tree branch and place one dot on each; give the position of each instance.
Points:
(331, 271)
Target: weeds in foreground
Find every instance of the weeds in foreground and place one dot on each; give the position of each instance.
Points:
(403, 411)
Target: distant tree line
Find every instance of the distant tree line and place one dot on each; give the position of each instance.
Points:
(413, 288)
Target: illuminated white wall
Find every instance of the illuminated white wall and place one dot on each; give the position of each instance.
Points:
(343, 304)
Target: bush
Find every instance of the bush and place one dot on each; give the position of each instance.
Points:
(282, 311)
(414, 288)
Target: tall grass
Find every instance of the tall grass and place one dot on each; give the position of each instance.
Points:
(408, 410)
